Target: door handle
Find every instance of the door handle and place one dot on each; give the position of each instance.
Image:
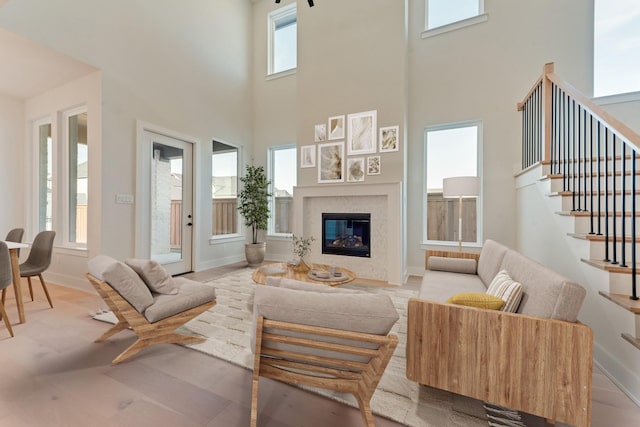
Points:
(189, 224)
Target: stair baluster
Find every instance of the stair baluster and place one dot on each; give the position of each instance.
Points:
(578, 159)
(606, 194)
(623, 208)
(614, 259)
(634, 293)
(584, 141)
(591, 172)
(598, 145)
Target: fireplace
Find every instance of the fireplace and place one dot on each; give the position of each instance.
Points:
(346, 234)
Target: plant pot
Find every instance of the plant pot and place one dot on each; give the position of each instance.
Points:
(254, 252)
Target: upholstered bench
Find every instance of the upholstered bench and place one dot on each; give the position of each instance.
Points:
(143, 296)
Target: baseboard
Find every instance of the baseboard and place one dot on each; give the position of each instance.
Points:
(219, 262)
(69, 281)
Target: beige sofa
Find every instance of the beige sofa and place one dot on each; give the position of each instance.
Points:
(537, 360)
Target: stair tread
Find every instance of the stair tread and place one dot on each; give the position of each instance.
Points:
(633, 340)
(623, 301)
(588, 193)
(607, 266)
(600, 238)
(588, 213)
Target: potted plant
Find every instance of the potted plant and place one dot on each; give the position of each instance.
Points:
(253, 205)
(301, 248)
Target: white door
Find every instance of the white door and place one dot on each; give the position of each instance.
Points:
(171, 202)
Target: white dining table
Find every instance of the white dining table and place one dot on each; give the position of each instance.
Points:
(15, 274)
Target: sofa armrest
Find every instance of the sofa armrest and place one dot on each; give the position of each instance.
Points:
(534, 365)
(449, 254)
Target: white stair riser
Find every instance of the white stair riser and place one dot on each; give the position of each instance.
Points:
(597, 251)
(583, 225)
(566, 202)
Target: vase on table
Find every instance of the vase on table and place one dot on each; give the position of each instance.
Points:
(301, 266)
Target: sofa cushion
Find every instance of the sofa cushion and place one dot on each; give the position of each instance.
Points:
(154, 275)
(507, 289)
(477, 299)
(440, 285)
(190, 294)
(128, 284)
(454, 265)
(490, 260)
(545, 293)
(98, 264)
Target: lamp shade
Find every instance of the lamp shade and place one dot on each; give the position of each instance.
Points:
(461, 186)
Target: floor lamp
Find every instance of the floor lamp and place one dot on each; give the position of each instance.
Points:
(460, 186)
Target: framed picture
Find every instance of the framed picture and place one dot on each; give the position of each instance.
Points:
(336, 127)
(389, 139)
(355, 169)
(373, 165)
(320, 133)
(308, 156)
(361, 138)
(330, 162)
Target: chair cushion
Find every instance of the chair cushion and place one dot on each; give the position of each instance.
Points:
(154, 275)
(190, 294)
(98, 264)
(453, 265)
(477, 299)
(507, 289)
(128, 284)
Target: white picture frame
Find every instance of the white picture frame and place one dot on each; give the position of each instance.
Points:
(330, 162)
(335, 127)
(361, 137)
(320, 133)
(355, 169)
(373, 165)
(308, 156)
(389, 139)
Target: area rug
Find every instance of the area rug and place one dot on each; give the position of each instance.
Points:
(227, 327)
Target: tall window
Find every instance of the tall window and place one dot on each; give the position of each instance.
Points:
(224, 188)
(616, 57)
(283, 39)
(282, 174)
(445, 12)
(450, 151)
(45, 176)
(78, 150)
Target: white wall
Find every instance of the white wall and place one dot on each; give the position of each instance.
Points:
(183, 66)
(11, 162)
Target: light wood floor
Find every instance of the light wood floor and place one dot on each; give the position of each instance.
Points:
(52, 374)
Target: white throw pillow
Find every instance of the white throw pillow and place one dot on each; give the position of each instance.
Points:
(154, 275)
(510, 291)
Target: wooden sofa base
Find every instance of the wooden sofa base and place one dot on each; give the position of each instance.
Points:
(160, 332)
(539, 366)
(357, 378)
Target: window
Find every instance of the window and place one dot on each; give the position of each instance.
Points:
(616, 56)
(224, 189)
(283, 39)
(63, 177)
(78, 150)
(282, 174)
(45, 176)
(444, 12)
(451, 150)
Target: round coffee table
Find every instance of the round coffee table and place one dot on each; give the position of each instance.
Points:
(283, 269)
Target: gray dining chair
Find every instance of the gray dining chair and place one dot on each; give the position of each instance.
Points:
(39, 260)
(5, 280)
(15, 235)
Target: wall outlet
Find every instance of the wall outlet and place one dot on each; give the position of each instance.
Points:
(124, 199)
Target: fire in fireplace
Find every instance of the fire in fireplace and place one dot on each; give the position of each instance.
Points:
(346, 234)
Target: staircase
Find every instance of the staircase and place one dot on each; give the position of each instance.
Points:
(589, 164)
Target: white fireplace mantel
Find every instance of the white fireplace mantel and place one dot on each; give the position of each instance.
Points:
(383, 201)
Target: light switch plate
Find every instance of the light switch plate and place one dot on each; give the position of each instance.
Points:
(124, 199)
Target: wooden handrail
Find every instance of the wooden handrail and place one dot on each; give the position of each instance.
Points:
(520, 105)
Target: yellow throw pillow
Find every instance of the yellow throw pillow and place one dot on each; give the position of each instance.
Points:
(477, 299)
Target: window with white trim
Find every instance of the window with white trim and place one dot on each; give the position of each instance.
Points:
(44, 144)
(224, 189)
(283, 39)
(444, 12)
(616, 56)
(283, 176)
(451, 150)
(77, 173)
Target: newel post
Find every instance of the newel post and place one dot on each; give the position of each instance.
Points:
(547, 110)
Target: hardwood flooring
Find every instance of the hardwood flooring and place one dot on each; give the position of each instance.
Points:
(54, 375)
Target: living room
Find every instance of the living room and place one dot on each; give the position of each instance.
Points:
(200, 71)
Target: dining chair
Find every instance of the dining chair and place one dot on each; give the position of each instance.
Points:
(5, 280)
(15, 235)
(39, 260)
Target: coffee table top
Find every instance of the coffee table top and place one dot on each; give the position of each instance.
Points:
(283, 269)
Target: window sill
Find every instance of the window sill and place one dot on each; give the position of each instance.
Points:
(455, 26)
(429, 243)
(284, 237)
(619, 98)
(226, 238)
(67, 250)
(281, 74)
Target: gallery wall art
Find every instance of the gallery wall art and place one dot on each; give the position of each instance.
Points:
(361, 137)
(331, 162)
(308, 156)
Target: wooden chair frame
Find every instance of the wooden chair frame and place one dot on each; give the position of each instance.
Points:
(160, 332)
(357, 378)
